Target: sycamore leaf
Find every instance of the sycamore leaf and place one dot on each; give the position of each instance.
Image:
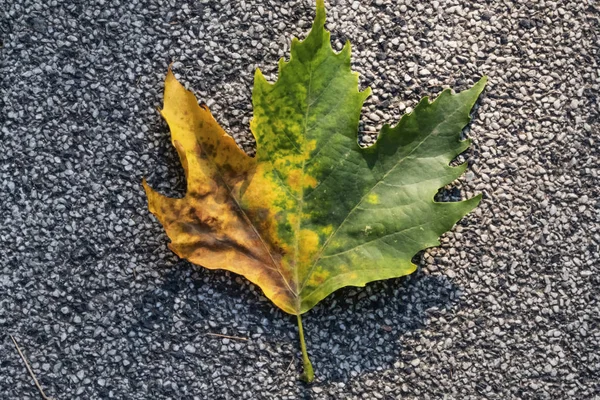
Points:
(313, 211)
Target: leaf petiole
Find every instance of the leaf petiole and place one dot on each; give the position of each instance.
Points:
(308, 375)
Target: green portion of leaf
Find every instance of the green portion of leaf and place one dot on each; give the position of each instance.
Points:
(381, 225)
(372, 208)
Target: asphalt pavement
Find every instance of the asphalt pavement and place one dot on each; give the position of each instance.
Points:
(506, 308)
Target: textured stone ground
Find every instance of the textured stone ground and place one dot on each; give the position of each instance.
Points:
(506, 308)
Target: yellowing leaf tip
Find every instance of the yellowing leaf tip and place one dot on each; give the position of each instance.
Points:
(321, 7)
(170, 75)
(320, 16)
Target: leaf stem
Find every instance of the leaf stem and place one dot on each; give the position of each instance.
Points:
(308, 375)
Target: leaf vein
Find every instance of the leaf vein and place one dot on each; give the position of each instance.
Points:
(328, 241)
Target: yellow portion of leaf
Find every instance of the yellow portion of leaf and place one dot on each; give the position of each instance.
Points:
(208, 226)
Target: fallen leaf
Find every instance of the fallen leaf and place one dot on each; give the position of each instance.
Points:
(313, 211)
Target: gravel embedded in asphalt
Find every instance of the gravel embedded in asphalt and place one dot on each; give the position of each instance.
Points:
(506, 307)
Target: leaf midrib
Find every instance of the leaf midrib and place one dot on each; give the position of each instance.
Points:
(301, 194)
